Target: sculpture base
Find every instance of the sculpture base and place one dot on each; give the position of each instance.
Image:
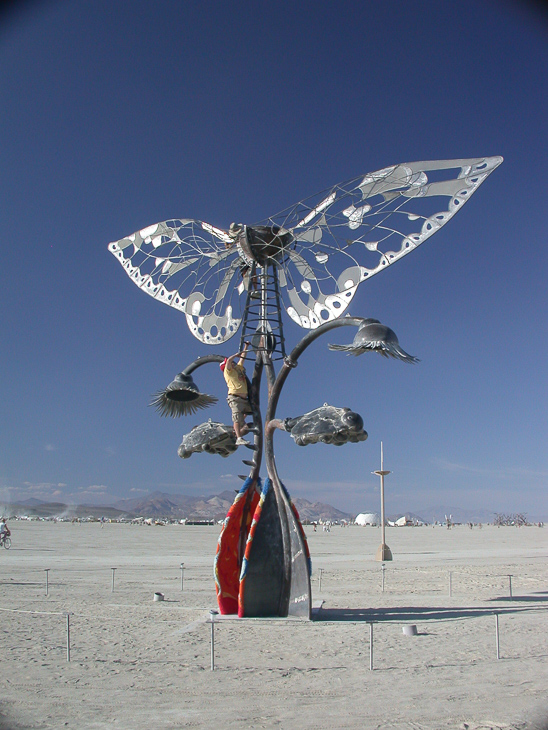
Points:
(383, 553)
(259, 572)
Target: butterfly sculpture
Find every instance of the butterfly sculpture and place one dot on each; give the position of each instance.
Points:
(321, 249)
(310, 258)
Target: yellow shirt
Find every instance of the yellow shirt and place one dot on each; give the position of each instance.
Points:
(236, 380)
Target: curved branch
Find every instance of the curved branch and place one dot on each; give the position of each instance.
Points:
(287, 519)
(202, 361)
(291, 361)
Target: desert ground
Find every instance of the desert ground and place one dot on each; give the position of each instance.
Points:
(136, 662)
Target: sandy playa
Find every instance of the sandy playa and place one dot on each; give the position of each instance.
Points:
(138, 663)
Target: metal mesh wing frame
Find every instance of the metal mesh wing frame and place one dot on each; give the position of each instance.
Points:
(354, 230)
(190, 266)
(333, 241)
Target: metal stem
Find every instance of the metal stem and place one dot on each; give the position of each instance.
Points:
(284, 508)
(202, 361)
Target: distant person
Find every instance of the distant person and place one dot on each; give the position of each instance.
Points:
(4, 530)
(238, 397)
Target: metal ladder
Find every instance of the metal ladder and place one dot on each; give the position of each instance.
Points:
(262, 317)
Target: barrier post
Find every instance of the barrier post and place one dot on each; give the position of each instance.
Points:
(510, 585)
(182, 574)
(113, 572)
(371, 646)
(320, 580)
(68, 637)
(47, 580)
(383, 569)
(212, 614)
(497, 634)
(450, 584)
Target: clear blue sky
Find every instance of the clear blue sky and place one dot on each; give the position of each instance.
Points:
(116, 115)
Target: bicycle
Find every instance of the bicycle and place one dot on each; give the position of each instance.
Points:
(5, 540)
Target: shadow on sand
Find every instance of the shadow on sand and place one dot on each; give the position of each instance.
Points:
(537, 597)
(408, 613)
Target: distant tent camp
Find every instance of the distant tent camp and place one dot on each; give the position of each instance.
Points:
(367, 518)
(405, 521)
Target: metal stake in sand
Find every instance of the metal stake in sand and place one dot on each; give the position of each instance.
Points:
(383, 551)
(383, 569)
(320, 579)
(510, 585)
(46, 570)
(182, 574)
(212, 614)
(450, 584)
(497, 634)
(371, 647)
(113, 572)
(68, 637)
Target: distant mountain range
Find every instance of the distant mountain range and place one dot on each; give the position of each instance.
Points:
(163, 505)
(215, 507)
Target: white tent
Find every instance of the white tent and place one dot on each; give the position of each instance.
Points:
(368, 518)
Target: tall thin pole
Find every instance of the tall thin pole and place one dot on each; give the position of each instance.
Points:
(383, 522)
(383, 551)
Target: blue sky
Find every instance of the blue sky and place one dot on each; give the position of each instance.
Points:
(117, 115)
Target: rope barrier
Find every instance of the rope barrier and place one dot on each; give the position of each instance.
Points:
(212, 613)
(91, 617)
(44, 613)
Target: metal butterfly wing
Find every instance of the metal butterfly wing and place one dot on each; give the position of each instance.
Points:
(336, 240)
(191, 266)
(347, 234)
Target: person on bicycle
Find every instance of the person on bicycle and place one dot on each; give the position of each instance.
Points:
(4, 530)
